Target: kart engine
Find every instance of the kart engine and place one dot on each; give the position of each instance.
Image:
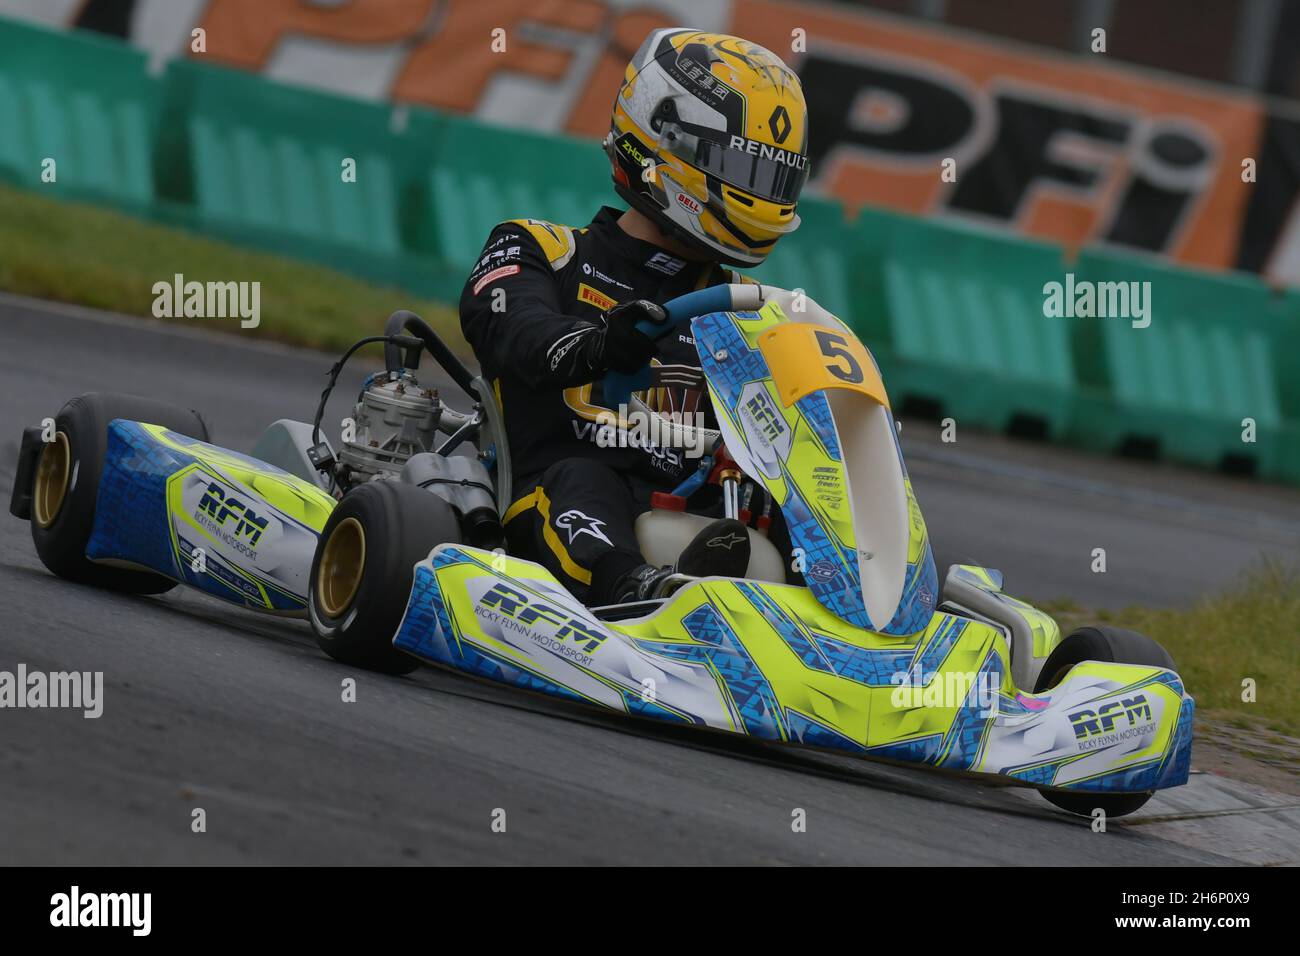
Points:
(395, 427)
(393, 420)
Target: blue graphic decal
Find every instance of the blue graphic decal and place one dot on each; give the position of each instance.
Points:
(715, 645)
(839, 586)
(131, 511)
(876, 667)
(132, 519)
(1042, 775)
(720, 649)
(964, 741)
(798, 640)
(815, 734)
(426, 631)
(919, 594)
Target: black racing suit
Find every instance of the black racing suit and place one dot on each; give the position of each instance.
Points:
(536, 290)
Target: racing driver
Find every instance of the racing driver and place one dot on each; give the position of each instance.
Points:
(709, 149)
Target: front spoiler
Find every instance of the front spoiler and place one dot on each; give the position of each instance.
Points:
(29, 453)
(768, 661)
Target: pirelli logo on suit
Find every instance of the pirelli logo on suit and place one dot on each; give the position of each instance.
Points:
(595, 297)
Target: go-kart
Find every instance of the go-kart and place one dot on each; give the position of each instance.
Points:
(391, 546)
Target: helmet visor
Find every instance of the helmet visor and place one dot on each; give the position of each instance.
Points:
(768, 172)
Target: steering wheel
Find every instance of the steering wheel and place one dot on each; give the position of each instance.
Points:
(619, 386)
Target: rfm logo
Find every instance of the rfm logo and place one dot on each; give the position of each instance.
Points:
(765, 416)
(1088, 723)
(515, 604)
(220, 509)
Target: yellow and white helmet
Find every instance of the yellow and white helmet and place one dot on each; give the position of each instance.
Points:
(710, 140)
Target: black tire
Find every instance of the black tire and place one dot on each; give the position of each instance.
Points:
(62, 521)
(357, 604)
(1112, 645)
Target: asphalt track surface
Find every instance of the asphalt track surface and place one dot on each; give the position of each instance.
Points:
(239, 714)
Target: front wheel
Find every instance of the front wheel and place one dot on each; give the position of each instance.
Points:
(364, 566)
(65, 487)
(1112, 645)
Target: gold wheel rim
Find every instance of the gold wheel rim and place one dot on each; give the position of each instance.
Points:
(52, 476)
(341, 566)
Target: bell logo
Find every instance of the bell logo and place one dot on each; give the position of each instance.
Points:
(690, 204)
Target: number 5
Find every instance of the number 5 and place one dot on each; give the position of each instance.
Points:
(834, 346)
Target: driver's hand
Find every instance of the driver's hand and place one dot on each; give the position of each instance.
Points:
(620, 345)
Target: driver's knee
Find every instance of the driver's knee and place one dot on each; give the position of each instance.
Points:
(578, 520)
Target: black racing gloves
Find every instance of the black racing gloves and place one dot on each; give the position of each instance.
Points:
(620, 345)
(587, 350)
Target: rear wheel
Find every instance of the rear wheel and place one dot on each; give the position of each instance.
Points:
(364, 565)
(1111, 645)
(65, 487)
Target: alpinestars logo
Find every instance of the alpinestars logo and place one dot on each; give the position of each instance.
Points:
(576, 523)
(565, 343)
(728, 541)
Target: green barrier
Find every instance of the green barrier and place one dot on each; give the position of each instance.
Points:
(84, 101)
(279, 166)
(480, 175)
(1286, 356)
(1182, 386)
(261, 164)
(1286, 363)
(867, 250)
(967, 331)
(813, 258)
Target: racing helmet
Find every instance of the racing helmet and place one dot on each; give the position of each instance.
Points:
(710, 140)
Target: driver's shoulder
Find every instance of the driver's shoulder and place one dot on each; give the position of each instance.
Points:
(558, 242)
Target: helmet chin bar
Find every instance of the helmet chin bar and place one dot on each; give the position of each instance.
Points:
(648, 207)
(641, 198)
